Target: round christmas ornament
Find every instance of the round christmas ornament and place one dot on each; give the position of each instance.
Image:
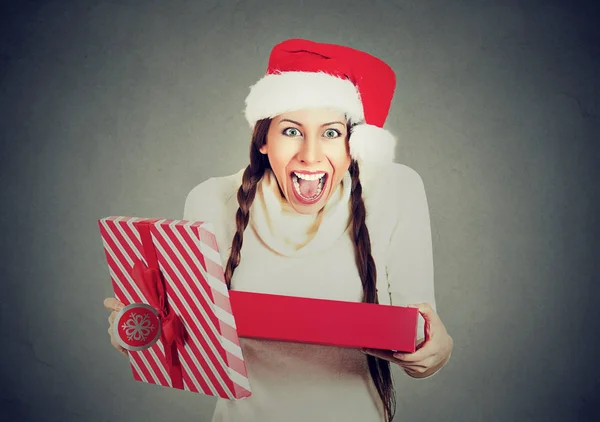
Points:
(137, 327)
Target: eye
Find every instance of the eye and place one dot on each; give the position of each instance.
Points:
(291, 131)
(332, 133)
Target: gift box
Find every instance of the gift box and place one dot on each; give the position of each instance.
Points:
(327, 322)
(177, 323)
(182, 326)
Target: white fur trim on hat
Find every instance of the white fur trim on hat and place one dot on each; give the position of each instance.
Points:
(372, 144)
(290, 91)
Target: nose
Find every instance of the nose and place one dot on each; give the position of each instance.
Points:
(311, 150)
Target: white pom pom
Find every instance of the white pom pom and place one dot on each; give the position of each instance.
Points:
(372, 144)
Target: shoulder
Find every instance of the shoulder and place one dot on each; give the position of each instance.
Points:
(403, 175)
(393, 194)
(393, 182)
(407, 185)
(211, 197)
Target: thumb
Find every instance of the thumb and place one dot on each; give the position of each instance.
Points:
(427, 312)
(430, 317)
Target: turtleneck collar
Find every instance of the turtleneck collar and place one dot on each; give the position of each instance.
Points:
(290, 233)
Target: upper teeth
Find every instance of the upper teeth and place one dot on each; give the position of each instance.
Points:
(316, 176)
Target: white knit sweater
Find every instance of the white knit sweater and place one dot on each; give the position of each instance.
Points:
(313, 256)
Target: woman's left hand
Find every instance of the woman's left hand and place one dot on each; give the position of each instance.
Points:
(432, 353)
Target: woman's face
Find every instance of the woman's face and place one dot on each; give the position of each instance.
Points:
(309, 155)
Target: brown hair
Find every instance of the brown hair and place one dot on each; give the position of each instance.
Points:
(378, 368)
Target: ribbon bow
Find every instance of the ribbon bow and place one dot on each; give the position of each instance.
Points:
(150, 282)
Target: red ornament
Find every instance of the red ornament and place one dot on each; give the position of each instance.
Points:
(137, 327)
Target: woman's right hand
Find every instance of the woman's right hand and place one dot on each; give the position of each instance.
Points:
(115, 306)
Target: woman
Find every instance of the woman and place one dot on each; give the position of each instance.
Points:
(323, 212)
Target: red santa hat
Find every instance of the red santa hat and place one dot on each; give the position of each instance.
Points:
(305, 74)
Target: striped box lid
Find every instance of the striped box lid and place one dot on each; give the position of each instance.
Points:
(188, 257)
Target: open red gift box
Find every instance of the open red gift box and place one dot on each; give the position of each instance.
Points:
(181, 325)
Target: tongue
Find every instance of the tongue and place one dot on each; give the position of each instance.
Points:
(308, 188)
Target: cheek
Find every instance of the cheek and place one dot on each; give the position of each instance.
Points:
(340, 161)
(339, 157)
(280, 154)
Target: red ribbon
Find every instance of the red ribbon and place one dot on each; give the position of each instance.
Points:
(151, 283)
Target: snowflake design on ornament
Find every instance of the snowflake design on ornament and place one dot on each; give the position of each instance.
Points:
(138, 327)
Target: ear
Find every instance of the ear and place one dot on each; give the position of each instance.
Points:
(263, 150)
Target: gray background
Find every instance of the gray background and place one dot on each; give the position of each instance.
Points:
(121, 107)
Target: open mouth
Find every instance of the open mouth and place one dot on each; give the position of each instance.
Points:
(309, 187)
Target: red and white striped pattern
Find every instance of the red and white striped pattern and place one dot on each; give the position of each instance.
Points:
(188, 257)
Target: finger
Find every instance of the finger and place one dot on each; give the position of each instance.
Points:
(426, 350)
(382, 354)
(111, 317)
(414, 367)
(118, 346)
(112, 304)
(418, 356)
(113, 341)
(414, 370)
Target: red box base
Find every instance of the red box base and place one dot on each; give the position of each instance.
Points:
(326, 322)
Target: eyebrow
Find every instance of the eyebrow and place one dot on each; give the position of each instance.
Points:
(300, 124)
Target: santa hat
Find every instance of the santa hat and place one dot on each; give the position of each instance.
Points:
(305, 74)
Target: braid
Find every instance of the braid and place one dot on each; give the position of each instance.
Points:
(245, 197)
(379, 368)
(362, 240)
(246, 193)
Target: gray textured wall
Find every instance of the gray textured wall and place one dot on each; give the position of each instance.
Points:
(121, 107)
